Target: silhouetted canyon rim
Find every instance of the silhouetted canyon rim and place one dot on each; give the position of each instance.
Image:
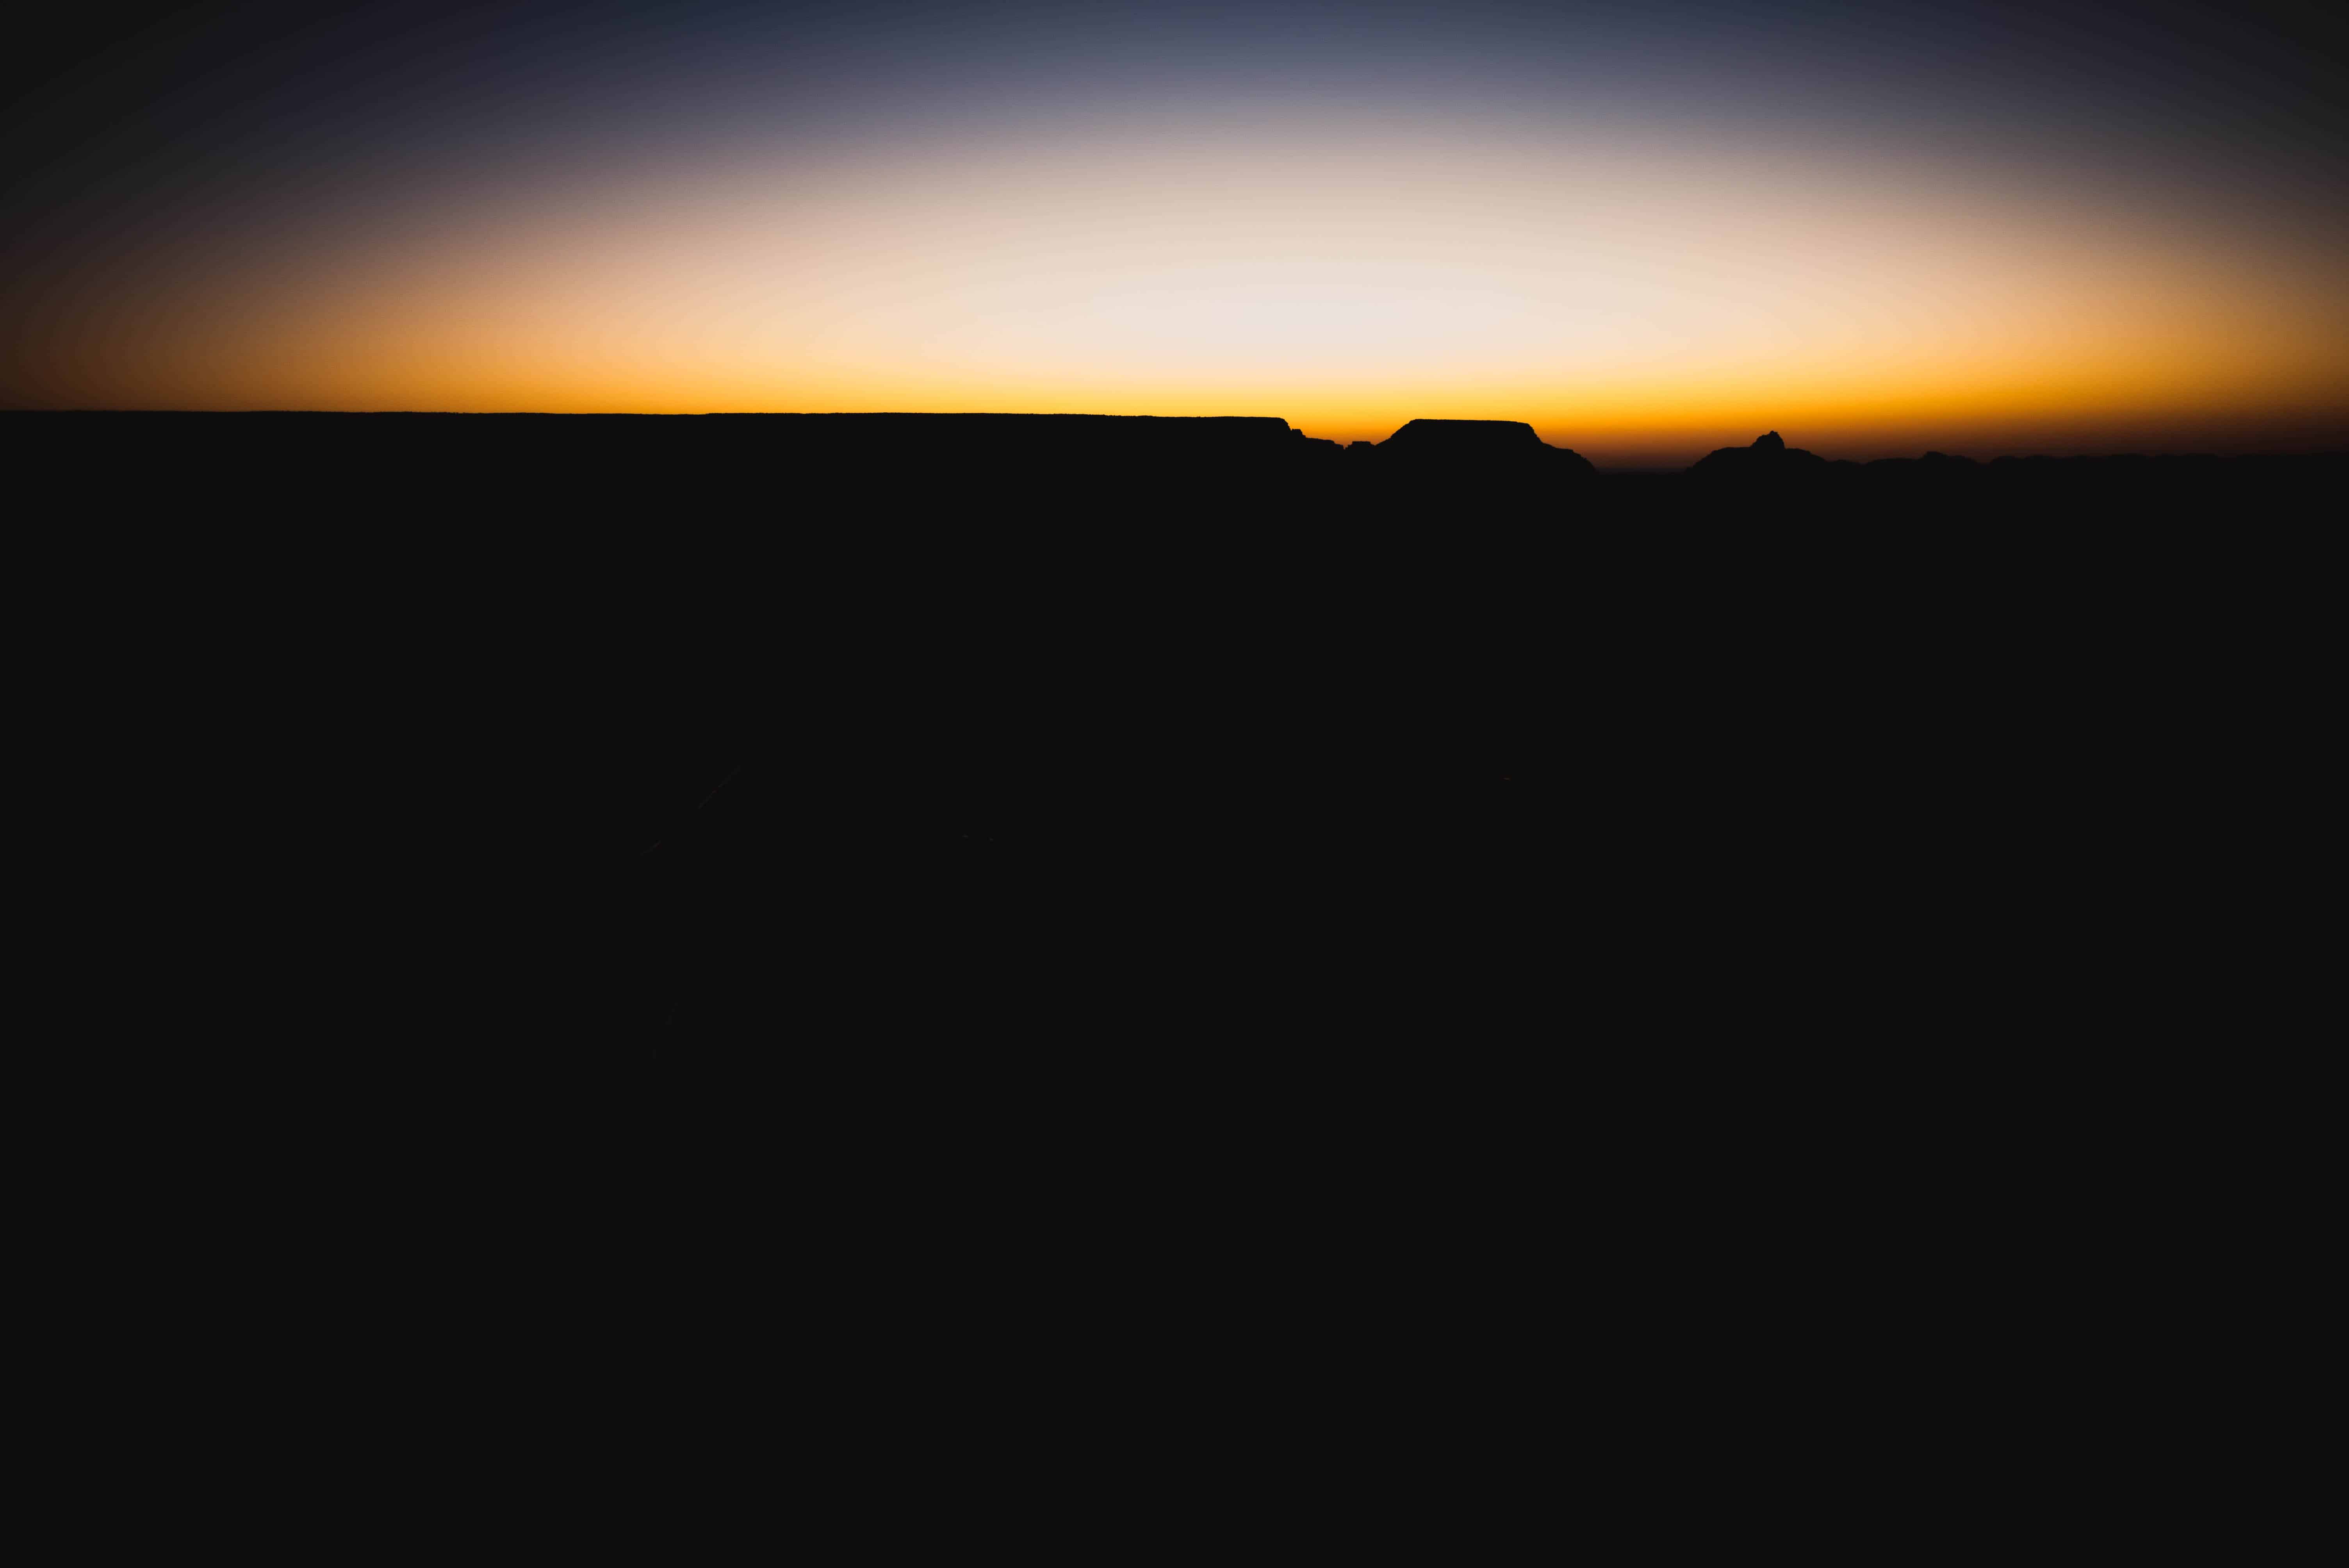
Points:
(1649, 230)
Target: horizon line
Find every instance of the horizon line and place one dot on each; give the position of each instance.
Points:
(1647, 467)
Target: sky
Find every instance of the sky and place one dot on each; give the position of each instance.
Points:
(1648, 228)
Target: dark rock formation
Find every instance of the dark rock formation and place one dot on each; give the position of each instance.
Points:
(1026, 438)
(1478, 442)
(1465, 438)
(1769, 458)
(1934, 474)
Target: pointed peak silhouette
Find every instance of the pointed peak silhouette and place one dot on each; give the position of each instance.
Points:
(1768, 455)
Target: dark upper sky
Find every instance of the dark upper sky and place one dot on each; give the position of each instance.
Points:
(1642, 226)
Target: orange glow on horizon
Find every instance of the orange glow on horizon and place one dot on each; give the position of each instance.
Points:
(1641, 311)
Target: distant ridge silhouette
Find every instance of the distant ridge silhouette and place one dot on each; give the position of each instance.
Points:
(1769, 458)
(720, 682)
(838, 469)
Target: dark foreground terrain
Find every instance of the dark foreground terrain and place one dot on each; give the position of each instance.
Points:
(730, 703)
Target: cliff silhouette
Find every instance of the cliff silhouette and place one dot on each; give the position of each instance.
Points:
(521, 470)
(722, 682)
